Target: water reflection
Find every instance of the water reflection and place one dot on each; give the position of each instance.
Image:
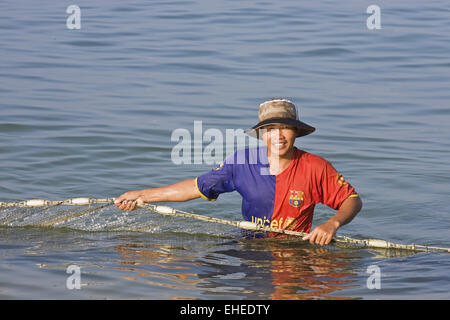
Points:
(302, 271)
(158, 265)
(241, 269)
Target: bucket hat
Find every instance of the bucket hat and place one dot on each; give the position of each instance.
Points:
(279, 111)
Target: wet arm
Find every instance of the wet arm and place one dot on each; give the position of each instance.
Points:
(181, 191)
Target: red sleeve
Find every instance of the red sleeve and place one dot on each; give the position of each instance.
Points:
(334, 188)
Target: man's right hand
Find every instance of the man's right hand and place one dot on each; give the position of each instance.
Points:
(129, 200)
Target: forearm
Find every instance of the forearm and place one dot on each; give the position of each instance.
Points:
(347, 211)
(181, 191)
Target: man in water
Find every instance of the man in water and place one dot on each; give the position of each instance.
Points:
(280, 184)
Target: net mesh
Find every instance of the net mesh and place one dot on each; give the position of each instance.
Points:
(91, 214)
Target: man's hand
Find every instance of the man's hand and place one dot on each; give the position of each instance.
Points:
(323, 234)
(129, 200)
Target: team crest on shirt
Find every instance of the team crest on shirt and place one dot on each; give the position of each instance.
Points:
(296, 198)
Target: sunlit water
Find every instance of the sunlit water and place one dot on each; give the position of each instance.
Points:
(91, 112)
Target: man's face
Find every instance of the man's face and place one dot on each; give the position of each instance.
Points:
(279, 139)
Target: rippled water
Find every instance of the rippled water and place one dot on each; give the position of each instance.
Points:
(90, 112)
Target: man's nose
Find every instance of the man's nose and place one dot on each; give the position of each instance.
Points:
(277, 134)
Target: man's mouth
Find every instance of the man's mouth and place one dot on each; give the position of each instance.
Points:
(280, 144)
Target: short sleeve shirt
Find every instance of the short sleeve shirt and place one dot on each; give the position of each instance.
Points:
(283, 201)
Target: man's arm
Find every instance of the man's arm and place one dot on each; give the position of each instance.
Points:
(181, 191)
(324, 233)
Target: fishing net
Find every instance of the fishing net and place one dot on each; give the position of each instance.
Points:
(95, 215)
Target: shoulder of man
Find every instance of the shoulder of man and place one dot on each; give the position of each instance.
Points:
(245, 156)
(313, 159)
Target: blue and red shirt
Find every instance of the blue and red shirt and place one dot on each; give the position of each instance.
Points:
(283, 201)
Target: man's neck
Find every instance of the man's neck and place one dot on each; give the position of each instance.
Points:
(278, 164)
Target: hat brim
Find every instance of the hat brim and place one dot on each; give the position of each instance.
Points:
(303, 128)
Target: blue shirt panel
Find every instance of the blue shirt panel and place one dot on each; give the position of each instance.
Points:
(247, 172)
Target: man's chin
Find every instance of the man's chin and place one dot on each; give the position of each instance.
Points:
(280, 152)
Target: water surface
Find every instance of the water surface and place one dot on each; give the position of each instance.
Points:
(90, 112)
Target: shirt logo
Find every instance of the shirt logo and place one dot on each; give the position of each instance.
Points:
(340, 180)
(296, 198)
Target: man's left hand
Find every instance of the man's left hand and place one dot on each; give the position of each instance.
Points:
(322, 234)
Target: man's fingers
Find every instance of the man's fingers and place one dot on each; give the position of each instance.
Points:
(323, 239)
(318, 237)
(131, 205)
(121, 199)
(128, 205)
(312, 238)
(128, 201)
(122, 205)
